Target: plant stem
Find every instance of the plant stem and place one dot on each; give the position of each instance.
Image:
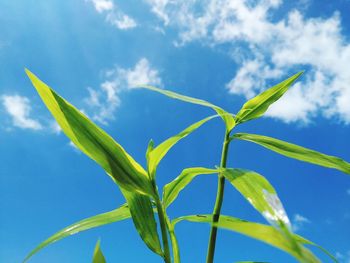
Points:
(219, 199)
(174, 243)
(164, 229)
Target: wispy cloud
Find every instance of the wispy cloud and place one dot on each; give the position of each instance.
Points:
(159, 7)
(343, 258)
(266, 49)
(54, 127)
(104, 101)
(113, 14)
(19, 109)
(299, 222)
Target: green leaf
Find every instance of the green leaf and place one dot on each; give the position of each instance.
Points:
(150, 148)
(156, 155)
(98, 256)
(260, 194)
(296, 152)
(142, 213)
(93, 141)
(226, 116)
(172, 189)
(261, 232)
(308, 242)
(99, 146)
(257, 106)
(116, 215)
(175, 244)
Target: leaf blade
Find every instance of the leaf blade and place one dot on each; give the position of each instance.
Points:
(296, 152)
(93, 141)
(155, 155)
(98, 256)
(257, 106)
(142, 213)
(172, 189)
(264, 233)
(116, 215)
(111, 156)
(226, 116)
(260, 194)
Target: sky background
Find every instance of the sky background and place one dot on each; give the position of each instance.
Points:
(93, 52)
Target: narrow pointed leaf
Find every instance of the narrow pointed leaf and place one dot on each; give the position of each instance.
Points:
(175, 244)
(150, 148)
(264, 233)
(98, 256)
(227, 117)
(116, 215)
(172, 189)
(93, 141)
(263, 197)
(142, 213)
(260, 194)
(99, 146)
(257, 106)
(296, 152)
(156, 155)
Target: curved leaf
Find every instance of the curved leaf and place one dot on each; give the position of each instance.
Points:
(116, 215)
(296, 152)
(98, 256)
(142, 213)
(172, 189)
(257, 106)
(93, 141)
(226, 116)
(260, 194)
(260, 232)
(150, 148)
(155, 155)
(99, 146)
(308, 242)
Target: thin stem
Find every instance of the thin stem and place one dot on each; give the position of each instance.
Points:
(164, 229)
(218, 202)
(174, 243)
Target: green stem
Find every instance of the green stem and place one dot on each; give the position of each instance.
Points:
(174, 243)
(164, 229)
(218, 202)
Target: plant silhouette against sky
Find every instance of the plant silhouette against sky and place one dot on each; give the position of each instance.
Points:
(145, 202)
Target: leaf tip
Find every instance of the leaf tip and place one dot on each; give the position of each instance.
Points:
(28, 72)
(299, 74)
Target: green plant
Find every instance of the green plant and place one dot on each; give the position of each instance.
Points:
(138, 185)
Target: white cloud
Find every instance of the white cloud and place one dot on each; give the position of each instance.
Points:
(158, 8)
(121, 21)
(299, 221)
(271, 49)
(113, 14)
(103, 5)
(55, 128)
(18, 107)
(142, 73)
(104, 101)
(343, 258)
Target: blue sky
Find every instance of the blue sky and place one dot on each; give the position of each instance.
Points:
(93, 51)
